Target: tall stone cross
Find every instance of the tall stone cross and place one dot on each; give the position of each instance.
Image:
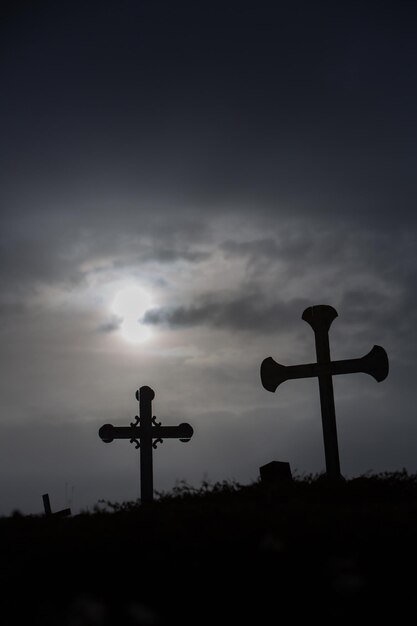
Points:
(145, 433)
(374, 363)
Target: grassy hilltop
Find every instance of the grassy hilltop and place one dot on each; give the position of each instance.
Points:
(220, 554)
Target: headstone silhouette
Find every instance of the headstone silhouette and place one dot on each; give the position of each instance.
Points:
(145, 433)
(48, 510)
(375, 363)
(276, 472)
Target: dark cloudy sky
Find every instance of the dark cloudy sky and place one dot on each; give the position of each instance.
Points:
(179, 181)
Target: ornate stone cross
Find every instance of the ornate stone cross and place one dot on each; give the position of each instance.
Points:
(374, 363)
(145, 433)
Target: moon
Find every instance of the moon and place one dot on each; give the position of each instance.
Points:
(129, 304)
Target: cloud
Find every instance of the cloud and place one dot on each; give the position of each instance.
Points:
(241, 312)
(47, 249)
(112, 324)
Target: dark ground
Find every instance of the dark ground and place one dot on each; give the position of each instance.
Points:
(221, 554)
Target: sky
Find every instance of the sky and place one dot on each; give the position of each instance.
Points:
(178, 182)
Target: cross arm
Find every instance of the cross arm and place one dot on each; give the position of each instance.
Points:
(108, 432)
(183, 432)
(375, 363)
(273, 373)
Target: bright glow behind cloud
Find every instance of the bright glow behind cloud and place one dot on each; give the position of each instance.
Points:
(130, 303)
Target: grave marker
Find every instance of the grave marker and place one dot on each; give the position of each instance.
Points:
(48, 510)
(145, 433)
(276, 472)
(375, 363)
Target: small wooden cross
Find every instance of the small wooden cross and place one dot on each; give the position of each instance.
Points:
(374, 363)
(48, 510)
(149, 432)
